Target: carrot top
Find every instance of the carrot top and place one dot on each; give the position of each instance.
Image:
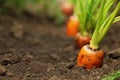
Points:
(86, 11)
(105, 19)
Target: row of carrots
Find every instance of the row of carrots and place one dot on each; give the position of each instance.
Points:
(73, 24)
(86, 30)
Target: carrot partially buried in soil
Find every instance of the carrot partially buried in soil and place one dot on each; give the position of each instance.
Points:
(90, 56)
(67, 8)
(72, 26)
(81, 40)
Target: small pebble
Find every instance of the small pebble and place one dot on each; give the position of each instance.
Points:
(70, 65)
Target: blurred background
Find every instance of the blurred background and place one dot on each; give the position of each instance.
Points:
(48, 8)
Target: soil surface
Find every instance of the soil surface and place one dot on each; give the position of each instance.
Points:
(37, 49)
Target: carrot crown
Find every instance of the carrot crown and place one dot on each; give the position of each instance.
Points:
(105, 19)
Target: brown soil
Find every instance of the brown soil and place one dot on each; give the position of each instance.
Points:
(36, 49)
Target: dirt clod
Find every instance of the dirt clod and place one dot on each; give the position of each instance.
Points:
(17, 30)
(3, 70)
(105, 66)
(115, 54)
(10, 58)
(70, 65)
(54, 78)
(55, 56)
(9, 74)
(28, 57)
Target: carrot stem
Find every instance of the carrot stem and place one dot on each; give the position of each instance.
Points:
(85, 13)
(116, 19)
(103, 27)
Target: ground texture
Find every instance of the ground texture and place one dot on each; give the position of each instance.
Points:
(37, 49)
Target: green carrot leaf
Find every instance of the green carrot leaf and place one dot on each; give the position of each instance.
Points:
(112, 76)
(116, 19)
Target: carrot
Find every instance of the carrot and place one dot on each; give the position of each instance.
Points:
(81, 40)
(67, 8)
(72, 26)
(90, 56)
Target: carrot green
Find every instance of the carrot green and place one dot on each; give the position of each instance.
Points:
(105, 20)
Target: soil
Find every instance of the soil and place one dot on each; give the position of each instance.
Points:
(37, 49)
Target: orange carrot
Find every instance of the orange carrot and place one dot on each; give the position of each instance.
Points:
(81, 40)
(89, 58)
(67, 8)
(72, 26)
